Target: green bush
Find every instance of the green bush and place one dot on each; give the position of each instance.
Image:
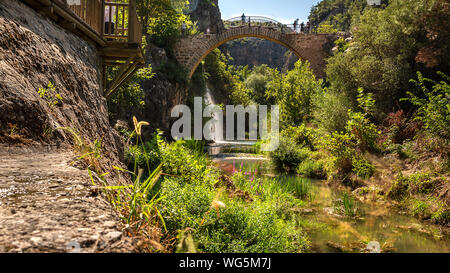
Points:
(294, 93)
(218, 223)
(312, 169)
(434, 109)
(399, 188)
(331, 111)
(288, 155)
(363, 168)
(184, 163)
(255, 228)
(359, 125)
(131, 93)
(342, 149)
(302, 135)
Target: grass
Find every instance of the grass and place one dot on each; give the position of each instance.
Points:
(346, 205)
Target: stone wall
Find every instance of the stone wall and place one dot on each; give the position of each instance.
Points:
(33, 52)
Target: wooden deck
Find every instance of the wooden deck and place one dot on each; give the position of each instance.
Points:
(113, 26)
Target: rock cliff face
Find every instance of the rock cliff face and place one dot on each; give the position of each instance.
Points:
(34, 51)
(207, 15)
(161, 93)
(255, 52)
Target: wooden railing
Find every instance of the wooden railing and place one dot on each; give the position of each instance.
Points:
(113, 20)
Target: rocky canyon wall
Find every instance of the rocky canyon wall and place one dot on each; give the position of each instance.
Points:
(34, 52)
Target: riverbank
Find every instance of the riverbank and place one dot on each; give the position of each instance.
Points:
(377, 221)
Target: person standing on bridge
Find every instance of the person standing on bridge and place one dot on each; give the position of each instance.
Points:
(243, 19)
(296, 25)
(302, 27)
(110, 12)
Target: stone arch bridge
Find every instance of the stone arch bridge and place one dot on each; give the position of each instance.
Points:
(315, 48)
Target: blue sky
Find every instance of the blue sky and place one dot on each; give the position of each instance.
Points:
(285, 11)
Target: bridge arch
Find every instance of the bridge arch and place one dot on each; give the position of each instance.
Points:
(191, 50)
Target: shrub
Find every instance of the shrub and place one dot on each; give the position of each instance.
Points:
(312, 169)
(288, 155)
(255, 228)
(362, 167)
(131, 93)
(399, 188)
(294, 93)
(331, 111)
(342, 148)
(302, 135)
(434, 109)
(359, 125)
(399, 128)
(183, 163)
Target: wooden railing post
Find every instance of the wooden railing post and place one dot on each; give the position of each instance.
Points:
(102, 20)
(132, 22)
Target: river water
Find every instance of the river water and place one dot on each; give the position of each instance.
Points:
(377, 223)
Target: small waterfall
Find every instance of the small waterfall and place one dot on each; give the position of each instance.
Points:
(216, 129)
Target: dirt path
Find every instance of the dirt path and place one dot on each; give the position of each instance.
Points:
(48, 206)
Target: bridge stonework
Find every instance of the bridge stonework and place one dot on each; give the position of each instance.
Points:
(315, 48)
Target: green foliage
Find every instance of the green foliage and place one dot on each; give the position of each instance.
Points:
(399, 188)
(131, 93)
(363, 168)
(218, 223)
(50, 95)
(417, 183)
(359, 125)
(331, 111)
(342, 149)
(183, 163)
(341, 44)
(256, 228)
(146, 155)
(302, 136)
(288, 155)
(337, 13)
(346, 205)
(163, 20)
(312, 169)
(384, 52)
(226, 79)
(294, 93)
(326, 29)
(257, 82)
(434, 109)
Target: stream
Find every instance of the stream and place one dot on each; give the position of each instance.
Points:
(378, 224)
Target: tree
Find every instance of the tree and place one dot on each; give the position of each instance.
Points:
(294, 93)
(382, 55)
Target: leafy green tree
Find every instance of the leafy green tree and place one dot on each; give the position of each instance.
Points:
(257, 82)
(162, 20)
(337, 13)
(382, 56)
(294, 93)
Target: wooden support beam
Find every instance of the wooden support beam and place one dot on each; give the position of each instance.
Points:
(127, 71)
